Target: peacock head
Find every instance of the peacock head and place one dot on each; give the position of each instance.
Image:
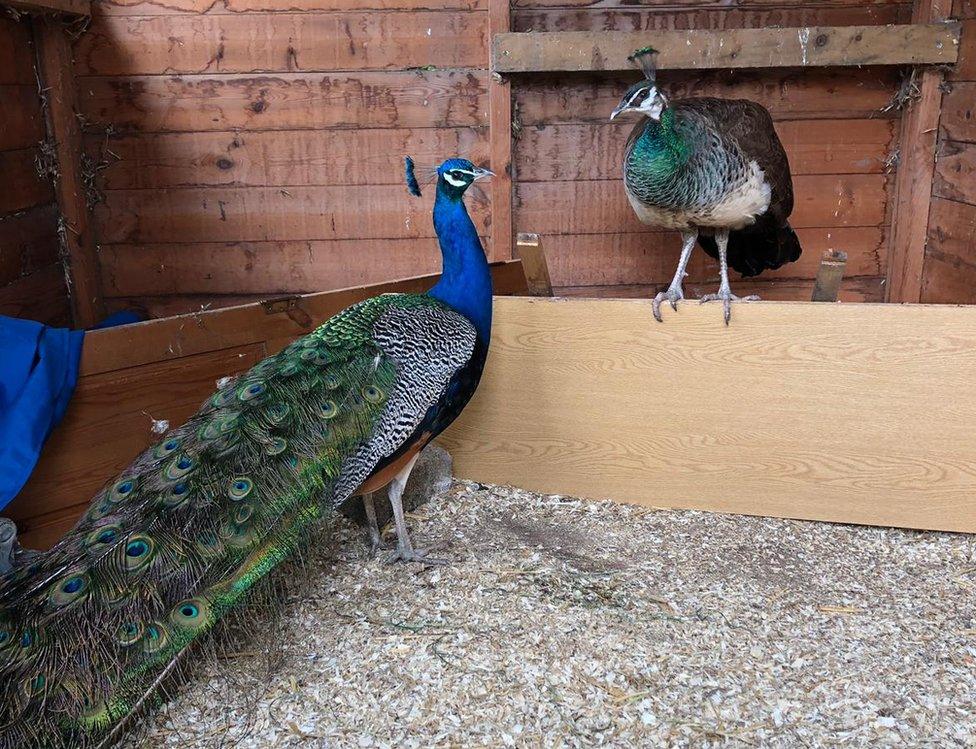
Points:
(455, 176)
(642, 97)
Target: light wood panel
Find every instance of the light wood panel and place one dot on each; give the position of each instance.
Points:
(794, 410)
(853, 289)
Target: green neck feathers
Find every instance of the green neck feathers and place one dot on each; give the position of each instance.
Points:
(660, 148)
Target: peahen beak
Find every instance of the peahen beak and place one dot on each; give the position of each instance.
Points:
(620, 108)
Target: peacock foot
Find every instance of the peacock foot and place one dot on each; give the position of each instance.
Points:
(727, 297)
(408, 554)
(673, 294)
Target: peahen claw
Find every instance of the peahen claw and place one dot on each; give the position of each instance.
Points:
(727, 297)
(672, 294)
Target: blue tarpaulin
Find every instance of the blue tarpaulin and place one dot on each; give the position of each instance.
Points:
(38, 371)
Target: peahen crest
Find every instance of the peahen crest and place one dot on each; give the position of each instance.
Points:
(646, 59)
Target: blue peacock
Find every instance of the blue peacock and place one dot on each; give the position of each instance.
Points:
(91, 628)
(715, 170)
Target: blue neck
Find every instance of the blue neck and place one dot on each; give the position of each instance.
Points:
(465, 284)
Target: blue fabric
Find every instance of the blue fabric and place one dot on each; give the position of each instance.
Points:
(38, 371)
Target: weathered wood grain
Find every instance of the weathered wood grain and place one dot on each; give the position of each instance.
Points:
(754, 5)
(950, 262)
(959, 113)
(275, 42)
(600, 206)
(23, 187)
(965, 67)
(500, 139)
(788, 95)
(228, 214)
(28, 242)
(300, 157)
(542, 153)
(21, 121)
(230, 7)
(955, 172)
(287, 101)
(808, 431)
(809, 46)
(39, 296)
(650, 257)
(16, 66)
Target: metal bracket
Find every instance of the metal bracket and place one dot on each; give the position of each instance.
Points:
(289, 305)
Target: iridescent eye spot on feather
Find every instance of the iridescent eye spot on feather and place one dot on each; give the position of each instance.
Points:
(26, 639)
(139, 552)
(373, 394)
(102, 537)
(121, 490)
(69, 590)
(243, 513)
(156, 638)
(177, 495)
(34, 685)
(222, 397)
(5, 638)
(326, 410)
(240, 488)
(251, 390)
(191, 614)
(218, 426)
(166, 447)
(289, 369)
(276, 446)
(179, 467)
(100, 509)
(129, 634)
(277, 412)
(237, 536)
(332, 381)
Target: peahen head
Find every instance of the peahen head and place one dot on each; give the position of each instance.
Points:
(455, 176)
(642, 97)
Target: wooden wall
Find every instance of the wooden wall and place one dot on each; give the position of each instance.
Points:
(31, 277)
(569, 155)
(949, 273)
(255, 146)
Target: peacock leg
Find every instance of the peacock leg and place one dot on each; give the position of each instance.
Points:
(674, 291)
(724, 290)
(375, 539)
(405, 551)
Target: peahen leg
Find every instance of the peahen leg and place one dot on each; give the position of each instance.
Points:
(405, 551)
(674, 291)
(724, 290)
(375, 539)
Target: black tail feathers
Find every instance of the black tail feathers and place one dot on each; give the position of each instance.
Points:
(761, 246)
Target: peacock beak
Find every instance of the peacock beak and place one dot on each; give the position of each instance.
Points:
(480, 173)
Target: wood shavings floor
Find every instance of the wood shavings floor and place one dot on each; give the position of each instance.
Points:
(567, 623)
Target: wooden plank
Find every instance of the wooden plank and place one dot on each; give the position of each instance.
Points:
(68, 7)
(21, 120)
(500, 136)
(229, 214)
(287, 101)
(600, 206)
(807, 432)
(109, 422)
(861, 290)
(54, 60)
(23, 187)
(39, 296)
(913, 183)
(965, 67)
(752, 5)
(810, 46)
(652, 18)
(950, 265)
(813, 147)
(651, 257)
(161, 340)
(959, 113)
(28, 242)
(230, 7)
(826, 285)
(16, 52)
(787, 94)
(275, 42)
(300, 157)
(528, 248)
(955, 172)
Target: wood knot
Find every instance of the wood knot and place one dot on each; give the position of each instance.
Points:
(821, 40)
(224, 163)
(259, 106)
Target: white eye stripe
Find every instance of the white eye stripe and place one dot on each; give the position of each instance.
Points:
(455, 182)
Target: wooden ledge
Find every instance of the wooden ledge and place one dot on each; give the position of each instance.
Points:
(811, 46)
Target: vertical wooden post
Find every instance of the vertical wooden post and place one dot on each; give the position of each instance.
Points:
(826, 287)
(528, 247)
(916, 170)
(56, 70)
(500, 140)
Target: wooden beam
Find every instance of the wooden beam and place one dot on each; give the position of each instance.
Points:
(811, 46)
(916, 172)
(70, 7)
(801, 410)
(57, 79)
(500, 141)
(830, 274)
(528, 248)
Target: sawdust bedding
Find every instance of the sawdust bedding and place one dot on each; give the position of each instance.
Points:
(566, 623)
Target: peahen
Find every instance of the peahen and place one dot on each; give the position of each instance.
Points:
(91, 628)
(715, 170)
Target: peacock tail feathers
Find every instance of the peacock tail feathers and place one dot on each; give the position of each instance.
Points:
(184, 533)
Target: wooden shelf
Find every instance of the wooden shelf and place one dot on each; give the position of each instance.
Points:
(71, 7)
(811, 46)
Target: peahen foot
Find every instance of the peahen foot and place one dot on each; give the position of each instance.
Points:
(672, 294)
(727, 297)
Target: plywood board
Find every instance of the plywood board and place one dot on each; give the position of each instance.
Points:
(847, 413)
(813, 46)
